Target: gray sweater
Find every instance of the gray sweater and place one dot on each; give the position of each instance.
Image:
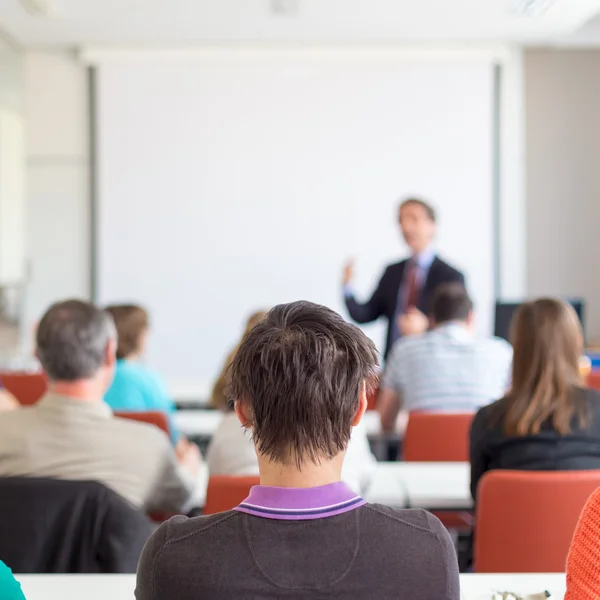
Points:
(371, 552)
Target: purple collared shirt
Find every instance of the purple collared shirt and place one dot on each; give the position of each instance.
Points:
(300, 504)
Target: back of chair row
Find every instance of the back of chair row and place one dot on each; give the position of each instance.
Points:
(27, 388)
(526, 519)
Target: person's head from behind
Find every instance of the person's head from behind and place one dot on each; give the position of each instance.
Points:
(132, 325)
(417, 222)
(299, 381)
(547, 341)
(451, 304)
(76, 344)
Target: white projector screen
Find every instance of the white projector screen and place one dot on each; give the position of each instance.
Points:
(236, 181)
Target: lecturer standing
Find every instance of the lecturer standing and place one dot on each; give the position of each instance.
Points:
(405, 288)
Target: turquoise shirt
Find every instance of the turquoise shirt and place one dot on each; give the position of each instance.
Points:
(10, 588)
(135, 388)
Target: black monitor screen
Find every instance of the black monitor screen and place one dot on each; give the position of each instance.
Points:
(505, 310)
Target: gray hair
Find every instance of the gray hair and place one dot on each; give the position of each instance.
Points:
(72, 338)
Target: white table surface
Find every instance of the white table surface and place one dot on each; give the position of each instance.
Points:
(203, 422)
(436, 485)
(121, 587)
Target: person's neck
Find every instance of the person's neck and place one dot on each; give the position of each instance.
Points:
(134, 356)
(308, 476)
(84, 390)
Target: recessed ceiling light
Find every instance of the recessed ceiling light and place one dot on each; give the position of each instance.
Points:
(531, 8)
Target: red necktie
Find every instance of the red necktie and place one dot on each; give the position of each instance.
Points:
(412, 288)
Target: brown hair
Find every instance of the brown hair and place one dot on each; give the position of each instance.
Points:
(131, 321)
(429, 210)
(450, 302)
(299, 374)
(548, 342)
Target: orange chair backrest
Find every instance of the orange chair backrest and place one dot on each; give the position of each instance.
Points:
(593, 380)
(526, 519)
(437, 437)
(154, 417)
(27, 388)
(225, 492)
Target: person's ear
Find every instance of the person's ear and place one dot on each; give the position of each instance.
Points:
(241, 413)
(110, 353)
(362, 405)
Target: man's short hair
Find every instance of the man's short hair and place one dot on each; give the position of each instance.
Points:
(429, 210)
(299, 373)
(131, 321)
(450, 302)
(72, 338)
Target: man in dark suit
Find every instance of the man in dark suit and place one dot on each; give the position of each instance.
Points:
(405, 288)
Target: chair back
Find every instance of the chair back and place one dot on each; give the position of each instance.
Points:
(227, 491)
(27, 388)
(437, 437)
(526, 519)
(153, 417)
(593, 380)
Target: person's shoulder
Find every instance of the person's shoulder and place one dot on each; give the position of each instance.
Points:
(446, 267)
(416, 526)
(395, 268)
(489, 415)
(11, 419)
(180, 529)
(497, 345)
(148, 434)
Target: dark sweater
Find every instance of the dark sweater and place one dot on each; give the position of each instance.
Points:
(371, 552)
(491, 449)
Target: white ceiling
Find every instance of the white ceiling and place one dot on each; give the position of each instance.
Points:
(159, 22)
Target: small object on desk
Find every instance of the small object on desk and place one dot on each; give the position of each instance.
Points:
(511, 596)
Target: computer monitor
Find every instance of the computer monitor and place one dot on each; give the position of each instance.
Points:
(505, 310)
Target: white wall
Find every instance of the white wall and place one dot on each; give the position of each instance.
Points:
(563, 175)
(56, 112)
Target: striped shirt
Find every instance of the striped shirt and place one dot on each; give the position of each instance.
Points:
(447, 369)
(300, 504)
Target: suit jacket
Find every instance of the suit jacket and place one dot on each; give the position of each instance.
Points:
(384, 300)
(54, 526)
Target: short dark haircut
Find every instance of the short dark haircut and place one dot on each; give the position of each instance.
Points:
(450, 302)
(72, 338)
(131, 321)
(299, 374)
(429, 210)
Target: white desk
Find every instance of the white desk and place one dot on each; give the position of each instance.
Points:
(195, 423)
(480, 587)
(443, 486)
(387, 486)
(121, 587)
(203, 422)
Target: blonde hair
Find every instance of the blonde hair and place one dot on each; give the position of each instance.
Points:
(547, 340)
(218, 397)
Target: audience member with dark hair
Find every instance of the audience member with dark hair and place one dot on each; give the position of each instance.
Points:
(135, 387)
(404, 291)
(548, 420)
(71, 433)
(447, 369)
(300, 380)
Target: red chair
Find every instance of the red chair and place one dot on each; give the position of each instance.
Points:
(27, 388)
(526, 519)
(440, 437)
(153, 417)
(593, 380)
(437, 437)
(225, 492)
